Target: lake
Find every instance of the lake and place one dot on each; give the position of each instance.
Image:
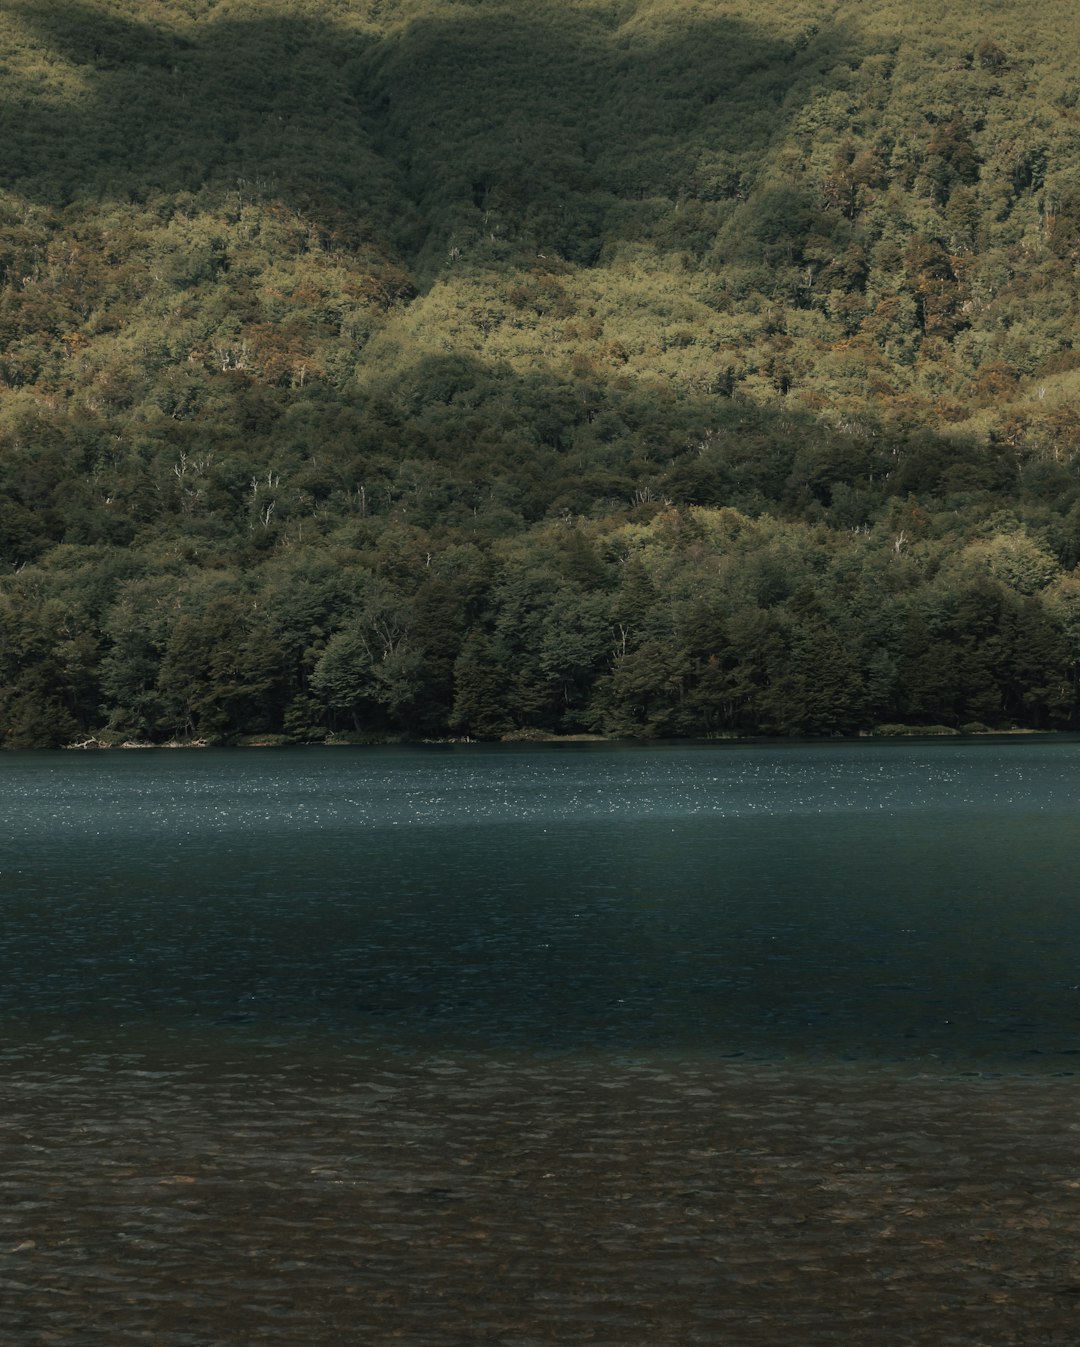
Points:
(732, 1044)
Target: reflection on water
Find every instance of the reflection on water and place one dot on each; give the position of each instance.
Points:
(672, 1045)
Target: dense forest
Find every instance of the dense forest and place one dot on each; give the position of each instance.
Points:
(425, 368)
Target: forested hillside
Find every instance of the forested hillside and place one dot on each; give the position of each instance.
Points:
(472, 367)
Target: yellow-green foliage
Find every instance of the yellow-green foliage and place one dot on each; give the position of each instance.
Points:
(769, 299)
(836, 202)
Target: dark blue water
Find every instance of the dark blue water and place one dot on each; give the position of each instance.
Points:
(889, 901)
(639, 1047)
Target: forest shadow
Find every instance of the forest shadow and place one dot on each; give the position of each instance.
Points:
(550, 445)
(265, 107)
(498, 125)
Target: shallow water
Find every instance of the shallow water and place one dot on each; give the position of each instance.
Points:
(727, 1044)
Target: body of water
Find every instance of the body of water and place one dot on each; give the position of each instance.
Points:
(733, 1044)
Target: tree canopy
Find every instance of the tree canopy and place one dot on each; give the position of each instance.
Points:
(429, 367)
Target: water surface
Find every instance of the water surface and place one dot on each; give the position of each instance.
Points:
(889, 902)
(710, 1044)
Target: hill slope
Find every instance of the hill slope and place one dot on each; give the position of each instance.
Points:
(427, 366)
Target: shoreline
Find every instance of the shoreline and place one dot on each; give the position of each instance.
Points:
(93, 744)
